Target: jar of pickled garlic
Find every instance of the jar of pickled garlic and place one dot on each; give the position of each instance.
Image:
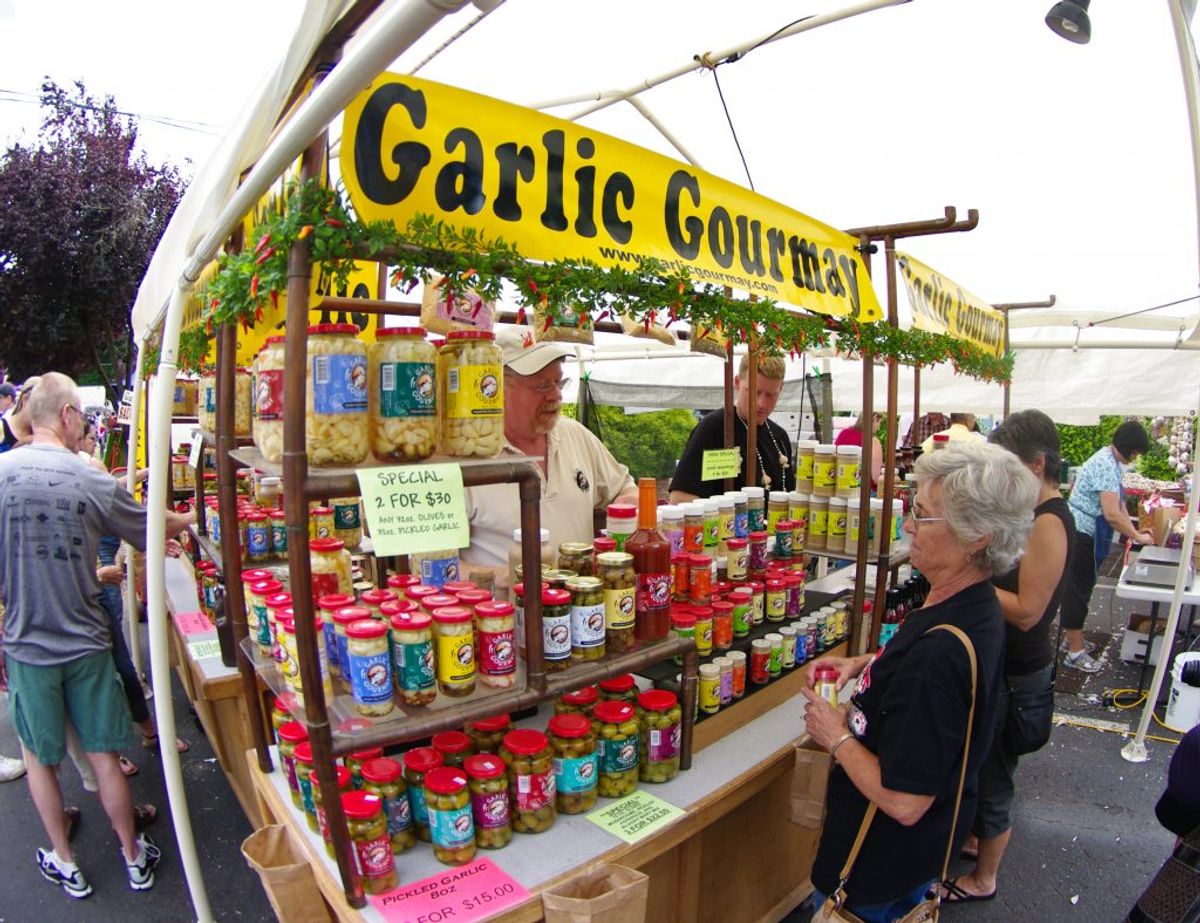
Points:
(621, 688)
(243, 383)
(454, 643)
(330, 567)
(615, 569)
(258, 624)
(575, 763)
(451, 823)
(385, 777)
(258, 538)
(268, 639)
(329, 605)
(289, 666)
(487, 734)
(267, 423)
(370, 668)
(418, 762)
(367, 825)
(413, 660)
(487, 780)
(292, 734)
(402, 394)
(617, 734)
(278, 524)
(347, 521)
(454, 746)
(206, 408)
(660, 724)
(556, 630)
(470, 395)
(577, 702)
(496, 625)
(335, 413)
(344, 784)
(530, 763)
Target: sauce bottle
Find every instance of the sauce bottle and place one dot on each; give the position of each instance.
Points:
(652, 565)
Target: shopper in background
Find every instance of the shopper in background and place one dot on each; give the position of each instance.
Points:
(853, 435)
(1029, 596)
(1098, 506)
(8, 396)
(962, 429)
(900, 742)
(16, 428)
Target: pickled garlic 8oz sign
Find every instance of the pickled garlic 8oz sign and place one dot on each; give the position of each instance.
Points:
(560, 191)
(942, 306)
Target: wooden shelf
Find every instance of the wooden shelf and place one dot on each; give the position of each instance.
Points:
(897, 555)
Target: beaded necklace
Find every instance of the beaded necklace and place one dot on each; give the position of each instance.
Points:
(783, 459)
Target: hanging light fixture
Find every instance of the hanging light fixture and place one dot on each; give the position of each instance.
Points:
(1069, 19)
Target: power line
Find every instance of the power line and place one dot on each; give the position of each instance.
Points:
(206, 128)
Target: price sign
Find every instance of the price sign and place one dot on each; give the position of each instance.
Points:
(470, 892)
(192, 623)
(635, 816)
(197, 451)
(127, 396)
(414, 508)
(201, 649)
(720, 463)
(124, 414)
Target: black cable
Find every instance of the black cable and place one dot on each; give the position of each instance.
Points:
(742, 54)
(733, 131)
(1169, 304)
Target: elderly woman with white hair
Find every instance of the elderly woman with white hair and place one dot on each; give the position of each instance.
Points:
(916, 707)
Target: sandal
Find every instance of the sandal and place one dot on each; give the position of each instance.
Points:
(144, 815)
(953, 894)
(150, 742)
(128, 767)
(74, 816)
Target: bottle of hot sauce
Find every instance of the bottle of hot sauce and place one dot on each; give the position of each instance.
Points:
(652, 563)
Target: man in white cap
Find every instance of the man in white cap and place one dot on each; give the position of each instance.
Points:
(579, 475)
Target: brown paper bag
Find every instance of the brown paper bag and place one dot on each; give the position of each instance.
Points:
(608, 894)
(810, 778)
(1163, 521)
(286, 876)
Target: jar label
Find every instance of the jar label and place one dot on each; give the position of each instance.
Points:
(345, 516)
(837, 523)
(556, 631)
(339, 383)
(416, 799)
(738, 561)
(331, 647)
(818, 522)
(618, 755)
(710, 699)
(497, 652)
(474, 391)
(587, 625)
(824, 474)
(757, 555)
(263, 637)
(775, 664)
(535, 790)
(322, 823)
(773, 518)
(726, 526)
(490, 809)
(693, 538)
(324, 584)
(664, 745)
(620, 608)
(370, 678)
(712, 531)
(451, 829)
(279, 538)
(725, 685)
(268, 395)
(343, 648)
(406, 389)
(776, 605)
(783, 543)
(258, 539)
(804, 467)
(374, 857)
(465, 310)
(210, 398)
(757, 608)
(456, 658)
(675, 537)
(414, 664)
(848, 475)
(399, 814)
(306, 795)
(574, 775)
(742, 618)
(653, 592)
(704, 637)
(439, 571)
(755, 519)
(741, 524)
(289, 770)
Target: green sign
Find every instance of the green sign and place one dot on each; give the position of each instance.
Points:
(720, 463)
(207, 648)
(635, 816)
(413, 508)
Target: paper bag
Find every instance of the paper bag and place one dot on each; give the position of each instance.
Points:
(1162, 521)
(286, 876)
(810, 778)
(608, 894)
(440, 313)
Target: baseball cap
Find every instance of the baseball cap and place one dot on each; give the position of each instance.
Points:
(7, 390)
(522, 354)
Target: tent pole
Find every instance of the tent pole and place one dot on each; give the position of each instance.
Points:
(730, 441)
(1005, 309)
(135, 433)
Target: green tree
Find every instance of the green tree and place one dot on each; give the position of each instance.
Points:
(647, 443)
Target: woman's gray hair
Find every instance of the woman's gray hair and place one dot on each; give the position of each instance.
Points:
(985, 491)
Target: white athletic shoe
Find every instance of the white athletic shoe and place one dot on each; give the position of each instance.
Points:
(141, 872)
(11, 768)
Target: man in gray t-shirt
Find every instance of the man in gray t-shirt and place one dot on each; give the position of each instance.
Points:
(53, 509)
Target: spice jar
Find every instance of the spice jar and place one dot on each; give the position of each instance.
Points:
(575, 763)
(556, 629)
(330, 564)
(401, 397)
(621, 688)
(621, 523)
(756, 509)
(530, 763)
(335, 421)
(497, 644)
(798, 514)
(454, 746)
(794, 586)
(700, 579)
(788, 633)
(683, 625)
(587, 618)
(704, 629)
(724, 523)
(722, 630)
(775, 658)
(783, 540)
(488, 733)
(487, 781)
(709, 693)
(344, 780)
(777, 509)
(418, 762)
(659, 718)
(737, 660)
(757, 557)
(742, 599)
(853, 523)
(693, 528)
(578, 702)
(292, 734)
(725, 681)
(370, 667)
(760, 661)
(805, 458)
(738, 559)
(818, 521)
(368, 830)
(615, 569)
(680, 577)
(267, 423)
(776, 599)
(385, 777)
(849, 470)
(712, 523)
(454, 643)
(617, 735)
(470, 395)
(671, 526)
(836, 525)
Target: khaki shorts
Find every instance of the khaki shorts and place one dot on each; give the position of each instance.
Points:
(88, 690)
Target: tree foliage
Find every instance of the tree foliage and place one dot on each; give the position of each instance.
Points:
(81, 211)
(648, 444)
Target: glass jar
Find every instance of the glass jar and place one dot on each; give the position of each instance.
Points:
(704, 629)
(683, 625)
(488, 733)
(798, 514)
(575, 764)
(587, 618)
(454, 746)
(354, 761)
(615, 568)
(206, 409)
(417, 763)
(515, 552)
(330, 565)
(738, 559)
(784, 541)
(556, 629)
(343, 618)
(805, 457)
(277, 522)
(267, 421)
(617, 750)
(470, 395)
(835, 539)
(335, 418)
(347, 521)
(693, 527)
(344, 784)
(824, 471)
(372, 845)
(849, 471)
(373, 599)
(496, 624)
(451, 825)
(454, 643)
(576, 556)
(435, 568)
(722, 625)
(258, 621)
(401, 397)
(268, 639)
(737, 660)
(659, 720)
(578, 702)
(709, 696)
(258, 538)
(777, 509)
(621, 688)
(292, 734)
(487, 780)
(742, 600)
(621, 523)
(370, 672)
(385, 777)
(700, 579)
(756, 509)
(281, 712)
(818, 521)
(530, 763)
(320, 522)
(303, 757)
(290, 667)
(243, 386)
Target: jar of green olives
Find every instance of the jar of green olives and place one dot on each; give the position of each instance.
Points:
(575, 763)
(530, 763)
(451, 825)
(615, 569)
(576, 556)
(304, 768)
(487, 734)
(659, 717)
(487, 780)
(587, 618)
(621, 688)
(385, 777)
(353, 762)
(344, 784)
(578, 702)
(616, 748)
(556, 629)
(372, 847)
(417, 763)
(454, 746)
(291, 735)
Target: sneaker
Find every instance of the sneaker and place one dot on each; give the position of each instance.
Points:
(1083, 661)
(141, 872)
(1088, 647)
(63, 873)
(11, 768)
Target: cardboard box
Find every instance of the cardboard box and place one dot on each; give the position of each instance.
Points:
(1133, 642)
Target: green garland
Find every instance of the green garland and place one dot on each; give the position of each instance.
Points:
(248, 281)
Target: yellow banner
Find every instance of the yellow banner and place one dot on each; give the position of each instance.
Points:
(940, 305)
(558, 190)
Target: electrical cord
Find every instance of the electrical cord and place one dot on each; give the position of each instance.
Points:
(1116, 694)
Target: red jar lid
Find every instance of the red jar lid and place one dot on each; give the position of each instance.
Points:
(332, 328)
(451, 615)
(370, 753)
(657, 700)
(681, 558)
(775, 583)
(326, 544)
(721, 587)
(377, 597)
(397, 607)
(721, 607)
(381, 770)
(494, 609)
(266, 587)
(398, 332)
(334, 601)
(254, 575)
(613, 712)
(570, 725)
(756, 586)
(519, 589)
(277, 514)
(484, 766)
(622, 511)
(585, 696)
(278, 601)
(351, 614)
(422, 759)
(699, 560)
(470, 335)
(702, 613)
(451, 742)
(457, 586)
(206, 567)
(258, 516)
(603, 544)
(418, 591)
(303, 752)
(622, 683)
(785, 524)
(758, 536)
(438, 601)
(735, 543)
(285, 615)
(683, 620)
(271, 341)
(411, 621)
(293, 732)
(360, 805)
(344, 778)
(402, 581)
(555, 597)
(365, 628)
(525, 742)
(472, 597)
(445, 780)
(825, 672)
(321, 511)
(741, 592)
(793, 579)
